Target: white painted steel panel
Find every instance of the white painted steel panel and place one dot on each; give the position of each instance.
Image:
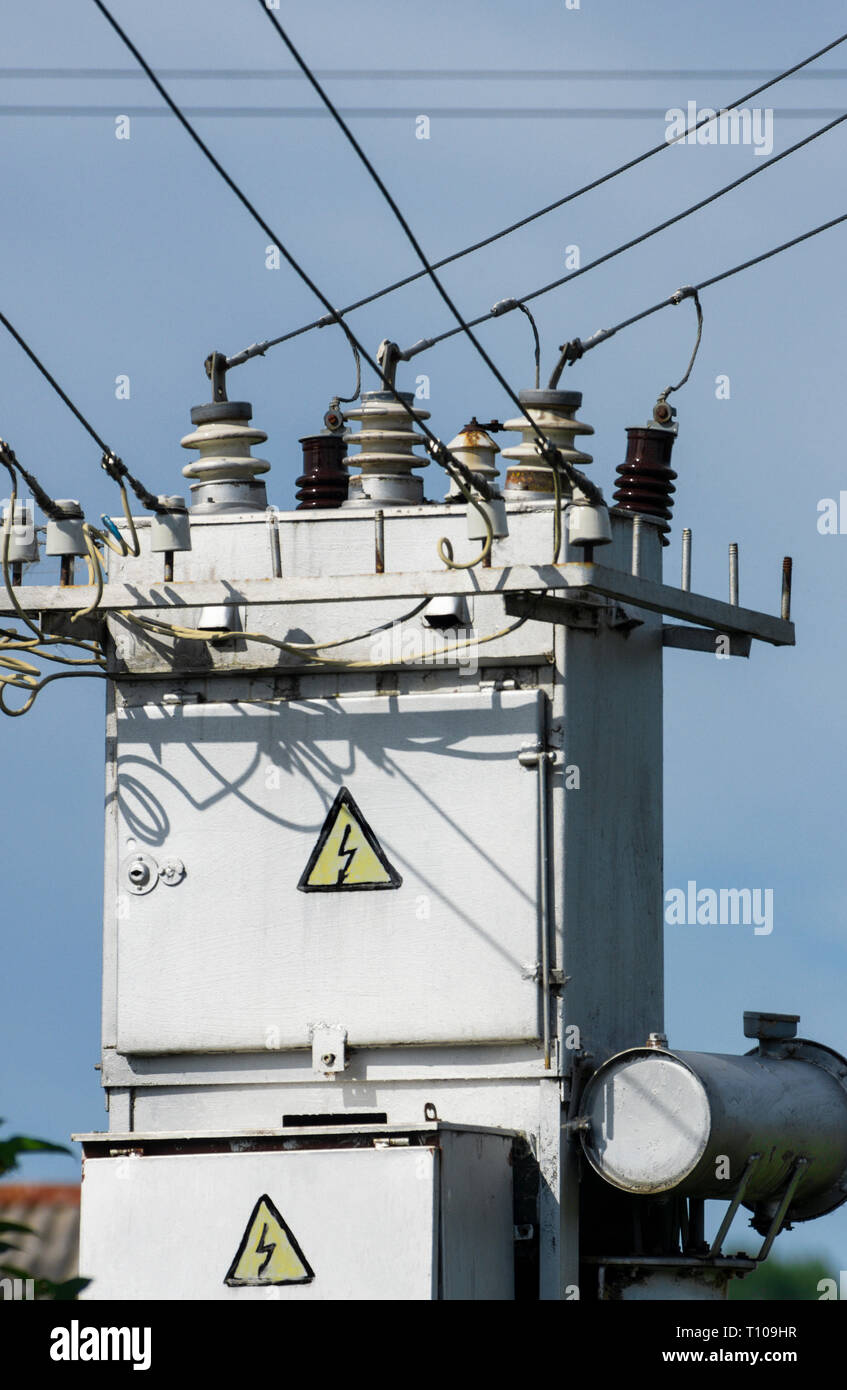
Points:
(370, 1223)
(235, 958)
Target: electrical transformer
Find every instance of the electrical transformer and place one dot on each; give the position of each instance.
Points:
(383, 977)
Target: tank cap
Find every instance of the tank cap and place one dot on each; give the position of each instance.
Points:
(766, 1025)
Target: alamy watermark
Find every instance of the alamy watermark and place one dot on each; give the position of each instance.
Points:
(729, 127)
(720, 907)
(399, 646)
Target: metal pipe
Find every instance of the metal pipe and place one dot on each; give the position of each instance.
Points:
(686, 558)
(379, 541)
(543, 759)
(733, 573)
(273, 537)
(787, 566)
(636, 546)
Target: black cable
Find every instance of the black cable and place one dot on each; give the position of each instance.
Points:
(579, 348)
(438, 450)
(548, 450)
(255, 349)
(111, 463)
(504, 305)
(11, 462)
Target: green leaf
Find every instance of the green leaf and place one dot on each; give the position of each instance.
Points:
(17, 1226)
(11, 1149)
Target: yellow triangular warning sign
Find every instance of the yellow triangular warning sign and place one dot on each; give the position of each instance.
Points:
(268, 1253)
(347, 856)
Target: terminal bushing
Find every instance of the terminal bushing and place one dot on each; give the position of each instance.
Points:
(324, 480)
(645, 478)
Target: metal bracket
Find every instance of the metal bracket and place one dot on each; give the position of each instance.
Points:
(575, 613)
(704, 639)
(557, 978)
(729, 1214)
(329, 1049)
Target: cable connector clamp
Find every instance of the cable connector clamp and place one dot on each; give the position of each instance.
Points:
(687, 292)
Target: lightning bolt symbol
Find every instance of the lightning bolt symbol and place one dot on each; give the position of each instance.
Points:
(343, 853)
(266, 1250)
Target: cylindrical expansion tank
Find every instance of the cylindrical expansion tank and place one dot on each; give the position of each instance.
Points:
(689, 1122)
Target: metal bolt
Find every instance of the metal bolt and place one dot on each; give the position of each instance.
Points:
(328, 1058)
(139, 872)
(172, 872)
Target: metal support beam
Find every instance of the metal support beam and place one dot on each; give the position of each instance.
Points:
(575, 577)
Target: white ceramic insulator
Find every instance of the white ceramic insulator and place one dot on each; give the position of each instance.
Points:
(556, 426)
(386, 440)
(477, 451)
(224, 447)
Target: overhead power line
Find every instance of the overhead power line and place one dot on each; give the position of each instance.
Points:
(437, 448)
(477, 74)
(113, 465)
(579, 348)
(547, 448)
(397, 113)
(256, 349)
(503, 306)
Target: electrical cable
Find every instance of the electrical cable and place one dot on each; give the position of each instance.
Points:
(578, 348)
(437, 449)
(258, 349)
(198, 635)
(23, 674)
(505, 305)
(547, 450)
(113, 465)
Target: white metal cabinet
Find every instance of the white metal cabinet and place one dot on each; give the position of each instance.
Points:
(235, 957)
(425, 1214)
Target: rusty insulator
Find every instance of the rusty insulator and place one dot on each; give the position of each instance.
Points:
(323, 482)
(645, 478)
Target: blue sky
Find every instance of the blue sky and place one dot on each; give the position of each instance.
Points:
(130, 257)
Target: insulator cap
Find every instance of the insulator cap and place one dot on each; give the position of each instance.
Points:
(324, 480)
(645, 478)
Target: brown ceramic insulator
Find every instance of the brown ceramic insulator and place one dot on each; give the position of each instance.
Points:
(645, 478)
(323, 482)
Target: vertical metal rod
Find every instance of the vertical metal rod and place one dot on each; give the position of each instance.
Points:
(686, 558)
(543, 757)
(169, 566)
(17, 572)
(66, 571)
(733, 573)
(379, 541)
(787, 566)
(636, 545)
(273, 536)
